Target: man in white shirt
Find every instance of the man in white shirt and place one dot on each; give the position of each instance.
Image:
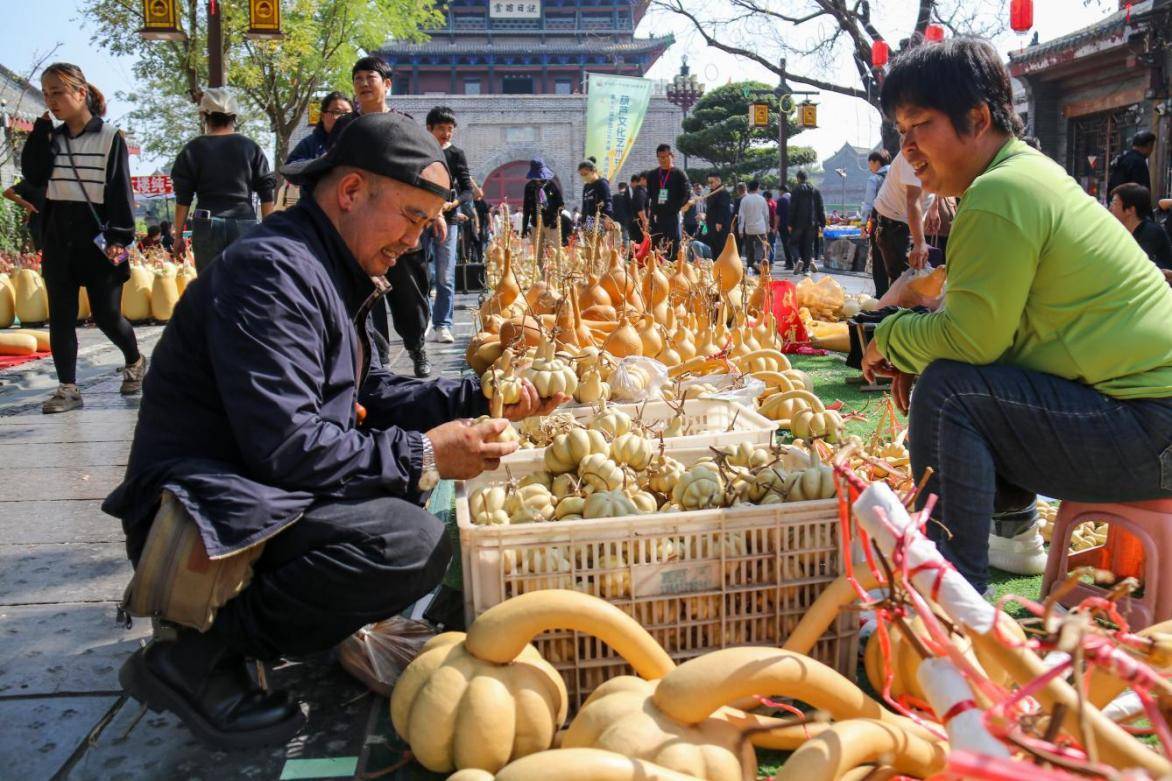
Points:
(753, 225)
(901, 206)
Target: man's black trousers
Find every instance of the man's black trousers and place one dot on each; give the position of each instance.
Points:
(342, 565)
(894, 239)
(409, 299)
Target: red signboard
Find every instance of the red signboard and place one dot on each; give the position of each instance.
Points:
(152, 186)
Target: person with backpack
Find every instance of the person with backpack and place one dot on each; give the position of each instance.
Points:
(1132, 166)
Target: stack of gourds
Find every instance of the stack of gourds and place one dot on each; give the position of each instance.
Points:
(613, 468)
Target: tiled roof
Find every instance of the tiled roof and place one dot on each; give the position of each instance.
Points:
(1114, 24)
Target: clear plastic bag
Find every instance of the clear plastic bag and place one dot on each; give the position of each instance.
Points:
(378, 653)
(637, 378)
(729, 387)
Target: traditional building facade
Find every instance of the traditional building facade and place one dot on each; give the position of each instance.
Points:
(20, 104)
(515, 73)
(1090, 92)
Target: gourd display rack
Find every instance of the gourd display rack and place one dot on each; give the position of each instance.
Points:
(698, 580)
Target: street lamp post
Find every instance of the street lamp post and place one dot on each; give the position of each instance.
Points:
(683, 92)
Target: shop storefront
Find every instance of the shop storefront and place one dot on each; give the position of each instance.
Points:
(1090, 92)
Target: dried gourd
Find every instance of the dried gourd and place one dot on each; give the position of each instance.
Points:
(568, 449)
(487, 506)
(549, 374)
(529, 504)
(564, 485)
(598, 473)
(482, 699)
(817, 422)
(783, 406)
(569, 508)
(608, 504)
(31, 298)
(663, 473)
(814, 482)
(610, 421)
(633, 450)
(700, 488)
(500, 380)
(591, 387)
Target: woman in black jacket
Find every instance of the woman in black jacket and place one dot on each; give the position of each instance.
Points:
(542, 194)
(84, 165)
(596, 199)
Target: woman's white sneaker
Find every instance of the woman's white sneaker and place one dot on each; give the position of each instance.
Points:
(1024, 554)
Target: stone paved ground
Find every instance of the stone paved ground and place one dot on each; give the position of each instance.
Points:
(62, 571)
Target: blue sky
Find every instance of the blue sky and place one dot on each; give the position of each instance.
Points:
(41, 24)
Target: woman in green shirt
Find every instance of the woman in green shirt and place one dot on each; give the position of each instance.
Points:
(1049, 364)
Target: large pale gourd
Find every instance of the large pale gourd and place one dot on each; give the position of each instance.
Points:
(568, 449)
(817, 422)
(814, 482)
(549, 374)
(623, 341)
(7, 302)
(728, 270)
(184, 276)
(31, 297)
(83, 305)
(42, 338)
(164, 293)
(482, 699)
(136, 294)
(17, 344)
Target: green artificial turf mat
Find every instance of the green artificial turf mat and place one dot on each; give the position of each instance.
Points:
(830, 373)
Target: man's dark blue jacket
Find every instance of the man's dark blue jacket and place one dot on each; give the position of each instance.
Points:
(248, 411)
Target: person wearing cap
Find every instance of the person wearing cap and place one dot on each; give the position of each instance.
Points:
(221, 171)
(269, 428)
(542, 195)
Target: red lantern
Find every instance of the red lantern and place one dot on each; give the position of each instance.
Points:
(1021, 15)
(934, 33)
(880, 53)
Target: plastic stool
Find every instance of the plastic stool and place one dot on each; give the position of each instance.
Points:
(1137, 533)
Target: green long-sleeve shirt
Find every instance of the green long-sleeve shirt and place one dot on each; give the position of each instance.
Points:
(1041, 276)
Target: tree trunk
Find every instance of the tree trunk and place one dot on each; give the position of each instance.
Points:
(890, 137)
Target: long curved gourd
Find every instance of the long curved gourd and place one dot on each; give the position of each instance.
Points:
(576, 764)
(697, 688)
(981, 620)
(856, 743)
(482, 699)
(500, 633)
(1102, 687)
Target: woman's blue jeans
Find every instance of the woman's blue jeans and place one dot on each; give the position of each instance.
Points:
(445, 278)
(980, 425)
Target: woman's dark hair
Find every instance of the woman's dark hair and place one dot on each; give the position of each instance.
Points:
(954, 77)
(165, 227)
(441, 115)
(880, 156)
(328, 101)
(154, 230)
(589, 164)
(1134, 196)
(376, 64)
(72, 77)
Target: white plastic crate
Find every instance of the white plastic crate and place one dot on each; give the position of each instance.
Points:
(697, 581)
(711, 422)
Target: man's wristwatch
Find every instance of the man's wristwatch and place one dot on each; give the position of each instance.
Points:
(429, 477)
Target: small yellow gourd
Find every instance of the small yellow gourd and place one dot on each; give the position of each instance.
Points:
(568, 449)
(549, 374)
(608, 504)
(817, 422)
(610, 421)
(164, 293)
(663, 473)
(598, 473)
(487, 506)
(500, 381)
(814, 482)
(633, 450)
(569, 507)
(592, 388)
(700, 488)
(531, 503)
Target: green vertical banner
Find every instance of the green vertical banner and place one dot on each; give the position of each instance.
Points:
(615, 107)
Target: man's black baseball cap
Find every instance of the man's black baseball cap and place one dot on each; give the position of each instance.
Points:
(389, 144)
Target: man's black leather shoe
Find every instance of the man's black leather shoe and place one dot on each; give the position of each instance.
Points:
(421, 362)
(219, 703)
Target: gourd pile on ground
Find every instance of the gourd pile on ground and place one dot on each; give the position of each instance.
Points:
(963, 688)
(150, 294)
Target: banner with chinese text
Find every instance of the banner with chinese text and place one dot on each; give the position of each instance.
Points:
(615, 108)
(151, 186)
